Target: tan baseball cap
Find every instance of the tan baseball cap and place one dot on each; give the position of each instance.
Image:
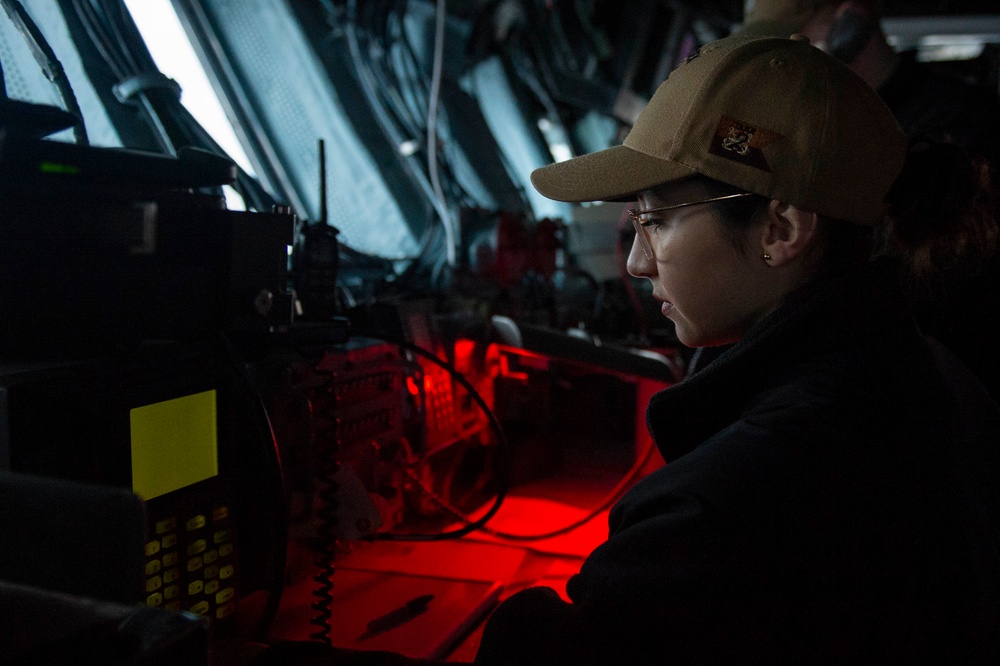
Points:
(777, 117)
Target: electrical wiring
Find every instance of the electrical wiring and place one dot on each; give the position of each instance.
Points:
(407, 86)
(49, 64)
(401, 99)
(415, 97)
(385, 122)
(415, 92)
(542, 65)
(404, 69)
(613, 496)
(111, 49)
(373, 28)
(480, 524)
(504, 447)
(557, 41)
(384, 34)
(277, 488)
(629, 478)
(117, 39)
(400, 95)
(428, 238)
(525, 70)
(127, 61)
(450, 223)
(408, 109)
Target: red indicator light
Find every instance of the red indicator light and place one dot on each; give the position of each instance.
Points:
(463, 353)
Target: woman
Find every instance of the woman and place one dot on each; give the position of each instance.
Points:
(831, 487)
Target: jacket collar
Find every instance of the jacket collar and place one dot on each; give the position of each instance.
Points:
(826, 315)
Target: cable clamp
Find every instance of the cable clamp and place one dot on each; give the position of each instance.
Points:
(126, 90)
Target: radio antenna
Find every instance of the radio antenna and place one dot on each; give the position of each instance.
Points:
(323, 218)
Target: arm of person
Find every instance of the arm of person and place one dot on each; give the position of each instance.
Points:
(697, 568)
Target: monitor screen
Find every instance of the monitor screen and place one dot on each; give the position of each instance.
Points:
(174, 444)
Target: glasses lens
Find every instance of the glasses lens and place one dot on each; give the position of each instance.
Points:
(642, 238)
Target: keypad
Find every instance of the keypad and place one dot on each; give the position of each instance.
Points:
(191, 563)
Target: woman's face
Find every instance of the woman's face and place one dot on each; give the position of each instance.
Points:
(711, 289)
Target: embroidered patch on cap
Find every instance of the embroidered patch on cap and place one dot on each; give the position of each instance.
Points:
(742, 143)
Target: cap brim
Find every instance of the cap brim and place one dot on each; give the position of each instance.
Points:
(615, 174)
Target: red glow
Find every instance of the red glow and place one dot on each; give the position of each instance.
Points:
(463, 353)
(505, 370)
(374, 577)
(540, 536)
(523, 353)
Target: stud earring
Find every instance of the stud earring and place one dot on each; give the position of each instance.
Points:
(767, 257)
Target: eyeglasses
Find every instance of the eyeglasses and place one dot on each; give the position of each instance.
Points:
(642, 236)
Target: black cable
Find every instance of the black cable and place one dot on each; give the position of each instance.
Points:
(112, 31)
(326, 452)
(3, 83)
(95, 29)
(124, 52)
(130, 61)
(277, 578)
(386, 123)
(419, 93)
(364, 73)
(627, 479)
(430, 235)
(504, 447)
(375, 29)
(480, 524)
(49, 63)
(558, 42)
(404, 68)
(128, 32)
(375, 34)
(406, 107)
(370, 26)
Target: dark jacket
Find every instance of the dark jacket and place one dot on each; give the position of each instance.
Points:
(831, 495)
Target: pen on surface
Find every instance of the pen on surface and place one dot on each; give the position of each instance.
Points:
(394, 618)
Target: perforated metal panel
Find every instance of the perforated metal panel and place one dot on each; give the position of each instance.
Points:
(296, 105)
(25, 80)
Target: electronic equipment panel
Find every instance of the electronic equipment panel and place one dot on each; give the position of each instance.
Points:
(168, 423)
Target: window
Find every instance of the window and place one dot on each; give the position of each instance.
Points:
(25, 80)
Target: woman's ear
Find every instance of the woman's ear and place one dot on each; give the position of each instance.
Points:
(789, 232)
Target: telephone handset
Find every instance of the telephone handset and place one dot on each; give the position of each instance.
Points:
(317, 259)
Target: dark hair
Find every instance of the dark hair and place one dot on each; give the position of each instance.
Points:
(940, 217)
(941, 212)
(738, 214)
(844, 245)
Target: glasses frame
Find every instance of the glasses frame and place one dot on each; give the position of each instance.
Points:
(641, 235)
